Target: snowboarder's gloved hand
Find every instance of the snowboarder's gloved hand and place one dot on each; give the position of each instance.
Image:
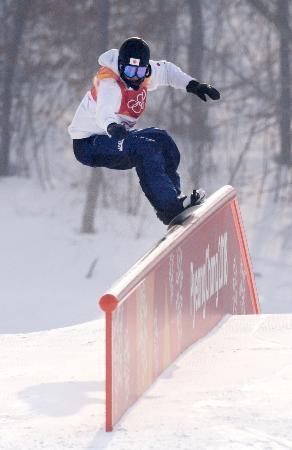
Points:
(117, 131)
(202, 89)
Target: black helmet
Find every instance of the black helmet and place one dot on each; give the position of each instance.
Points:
(134, 48)
(134, 51)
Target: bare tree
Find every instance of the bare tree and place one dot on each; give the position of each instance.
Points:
(285, 112)
(96, 176)
(198, 129)
(16, 16)
(277, 13)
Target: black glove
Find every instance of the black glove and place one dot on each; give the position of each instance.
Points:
(202, 89)
(117, 131)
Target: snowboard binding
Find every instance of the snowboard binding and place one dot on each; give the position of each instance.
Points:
(197, 198)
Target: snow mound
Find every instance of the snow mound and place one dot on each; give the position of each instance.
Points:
(230, 390)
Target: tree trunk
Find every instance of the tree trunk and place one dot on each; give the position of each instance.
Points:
(285, 84)
(96, 176)
(9, 69)
(280, 19)
(198, 126)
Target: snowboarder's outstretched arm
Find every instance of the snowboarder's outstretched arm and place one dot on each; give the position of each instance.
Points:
(165, 73)
(203, 89)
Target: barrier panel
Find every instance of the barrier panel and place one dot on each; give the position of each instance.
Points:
(173, 296)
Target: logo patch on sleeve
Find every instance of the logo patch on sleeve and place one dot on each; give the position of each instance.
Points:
(134, 61)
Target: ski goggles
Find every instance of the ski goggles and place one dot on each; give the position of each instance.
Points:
(135, 71)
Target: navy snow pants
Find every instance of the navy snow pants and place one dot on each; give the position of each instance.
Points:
(155, 157)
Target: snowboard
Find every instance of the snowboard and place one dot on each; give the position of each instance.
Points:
(181, 217)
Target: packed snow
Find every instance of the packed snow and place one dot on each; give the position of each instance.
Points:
(230, 390)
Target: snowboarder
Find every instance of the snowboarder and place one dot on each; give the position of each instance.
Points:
(102, 126)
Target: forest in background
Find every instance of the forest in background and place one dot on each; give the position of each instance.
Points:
(49, 53)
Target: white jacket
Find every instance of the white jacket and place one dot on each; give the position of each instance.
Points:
(93, 117)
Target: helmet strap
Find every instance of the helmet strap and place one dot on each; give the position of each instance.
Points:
(149, 71)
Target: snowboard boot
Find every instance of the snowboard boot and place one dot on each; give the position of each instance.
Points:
(196, 198)
(166, 216)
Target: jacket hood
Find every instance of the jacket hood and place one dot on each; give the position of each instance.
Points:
(110, 59)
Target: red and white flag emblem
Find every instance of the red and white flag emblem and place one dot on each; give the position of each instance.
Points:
(134, 61)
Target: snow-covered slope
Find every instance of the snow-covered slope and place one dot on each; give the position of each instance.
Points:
(231, 390)
(51, 275)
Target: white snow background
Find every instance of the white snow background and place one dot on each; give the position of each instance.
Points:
(231, 390)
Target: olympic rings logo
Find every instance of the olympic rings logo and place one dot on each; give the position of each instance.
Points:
(138, 104)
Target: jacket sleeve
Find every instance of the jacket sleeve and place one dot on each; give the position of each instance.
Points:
(108, 103)
(166, 73)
